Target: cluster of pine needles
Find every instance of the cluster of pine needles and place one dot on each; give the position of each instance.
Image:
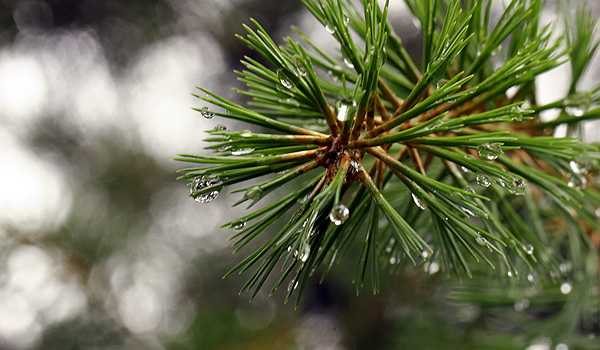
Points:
(442, 163)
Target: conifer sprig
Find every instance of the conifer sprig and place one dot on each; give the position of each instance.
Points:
(430, 164)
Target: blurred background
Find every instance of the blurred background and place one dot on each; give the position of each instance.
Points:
(100, 247)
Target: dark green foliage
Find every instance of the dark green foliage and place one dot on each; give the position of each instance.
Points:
(484, 181)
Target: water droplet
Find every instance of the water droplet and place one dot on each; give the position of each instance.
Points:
(303, 199)
(528, 248)
(522, 305)
(562, 346)
(566, 288)
(419, 202)
(339, 214)
(202, 182)
(577, 182)
(575, 111)
(304, 252)
(242, 151)
(510, 273)
(238, 225)
(597, 212)
(425, 254)
(531, 278)
(224, 148)
(220, 127)
(346, 19)
(284, 80)
(440, 83)
(517, 186)
(489, 151)
(465, 169)
(481, 240)
(467, 211)
(388, 249)
(469, 189)
(382, 58)
(255, 193)
(300, 70)
(483, 180)
(516, 114)
(292, 286)
(348, 63)
(393, 260)
(329, 28)
(437, 68)
(207, 113)
(245, 133)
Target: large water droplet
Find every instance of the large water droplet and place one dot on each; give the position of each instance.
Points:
(481, 240)
(382, 58)
(245, 133)
(284, 80)
(224, 148)
(575, 111)
(419, 202)
(292, 285)
(304, 252)
(242, 151)
(329, 28)
(300, 70)
(255, 193)
(348, 63)
(517, 186)
(489, 151)
(483, 180)
(339, 214)
(528, 248)
(202, 182)
(207, 113)
(346, 19)
(220, 127)
(577, 182)
(440, 83)
(433, 66)
(238, 225)
(467, 211)
(566, 288)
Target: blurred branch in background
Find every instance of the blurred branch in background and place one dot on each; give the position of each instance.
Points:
(100, 248)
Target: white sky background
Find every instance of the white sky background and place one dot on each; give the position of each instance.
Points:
(66, 74)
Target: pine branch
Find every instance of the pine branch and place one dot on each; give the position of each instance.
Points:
(368, 124)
